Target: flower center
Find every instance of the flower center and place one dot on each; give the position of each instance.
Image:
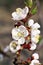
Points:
(37, 37)
(14, 45)
(18, 10)
(20, 34)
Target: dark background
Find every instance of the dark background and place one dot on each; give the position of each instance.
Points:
(6, 25)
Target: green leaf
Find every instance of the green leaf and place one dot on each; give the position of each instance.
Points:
(34, 11)
(29, 3)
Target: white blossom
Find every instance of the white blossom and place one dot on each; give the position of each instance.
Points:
(35, 56)
(14, 46)
(30, 22)
(20, 13)
(36, 26)
(35, 32)
(23, 30)
(20, 33)
(21, 40)
(14, 33)
(35, 62)
(33, 46)
(35, 39)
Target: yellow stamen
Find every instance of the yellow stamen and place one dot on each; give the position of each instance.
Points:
(36, 39)
(37, 36)
(14, 44)
(18, 10)
(20, 34)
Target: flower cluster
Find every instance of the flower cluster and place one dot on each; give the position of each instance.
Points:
(35, 33)
(35, 60)
(18, 34)
(25, 37)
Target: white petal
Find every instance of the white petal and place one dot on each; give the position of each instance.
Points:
(35, 40)
(23, 30)
(21, 40)
(15, 37)
(36, 25)
(35, 36)
(18, 47)
(26, 33)
(15, 16)
(30, 22)
(33, 46)
(14, 33)
(35, 32)
(35, 61)
(25, 10)
(12, 49)
(36, 56)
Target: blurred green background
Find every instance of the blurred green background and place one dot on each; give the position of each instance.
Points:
(6, 24)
